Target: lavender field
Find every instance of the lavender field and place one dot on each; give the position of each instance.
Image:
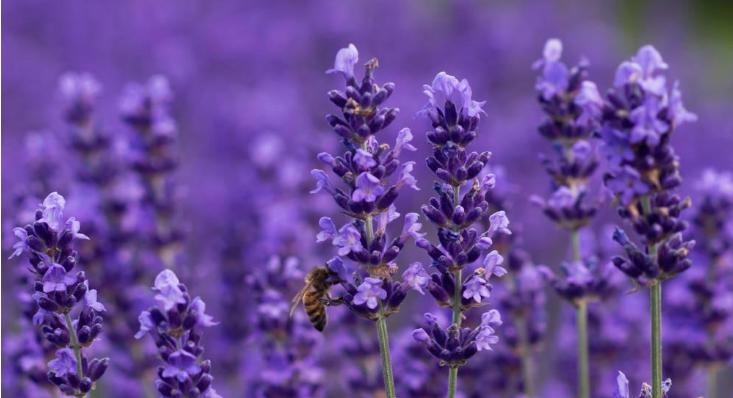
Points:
(379, 199)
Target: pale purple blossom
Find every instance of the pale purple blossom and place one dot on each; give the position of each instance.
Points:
(499, 223)
(416, 277)
(328, 230)
(404, 137)
(368, 188)
(56, 279)
(321, 181)
(492, 264)
(370, 292)
(348, 240)
(346, 59)
(411, 228)
(477, 288)
(364, 159)
(168, 288)
(448, 88)
(64, 364)
(406, 177)
(181, 365)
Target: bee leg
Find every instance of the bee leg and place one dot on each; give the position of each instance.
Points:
(332, 301)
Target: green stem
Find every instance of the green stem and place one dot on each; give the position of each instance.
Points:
(452, 381)
(583, 368)
(75, 346)
(655, 313)
(712, 376)
(456, 308)
(385, 354)
(581, 315)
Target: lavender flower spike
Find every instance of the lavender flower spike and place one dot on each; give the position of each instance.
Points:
(637, 122)
(175, 326)
(68, 311)
(571, 104)
(371, 176)
(460, 203)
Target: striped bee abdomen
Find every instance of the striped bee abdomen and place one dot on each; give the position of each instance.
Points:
(315, 308)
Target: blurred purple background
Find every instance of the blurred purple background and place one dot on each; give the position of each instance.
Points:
(249, 85)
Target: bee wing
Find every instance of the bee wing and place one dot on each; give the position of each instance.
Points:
(297, 299)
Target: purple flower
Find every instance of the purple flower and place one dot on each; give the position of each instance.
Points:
(364, 159)
(346, 59)
(53, 211)
(146, 324)
(492, 264)
(647, 126)
(485, 339)
(64, 364)
(406, 178)
(562, 198)
(79, 87)
(677, 112)
(590, 102)
(555, 75)
(411, 228)
(649, 60)
(56, 279)
(348, 240)
(321, 181)
(370, 292)
(416, 277)
(404, 137)
(447, 88)
(73, 226)
(91, 300)
(622, 385)
(181, 365)
(368, 188)
(627, 72)
(476, 288)
(491, 317)
(383, 219)
(21, 245)
(198, 310)
(168, 288)
(499, 223)
(328, 229)
(421, 336)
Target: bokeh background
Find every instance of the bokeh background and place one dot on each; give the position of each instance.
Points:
(249, 85)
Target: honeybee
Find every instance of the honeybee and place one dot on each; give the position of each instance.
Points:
(314, 296)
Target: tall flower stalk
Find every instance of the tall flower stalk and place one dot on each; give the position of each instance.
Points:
(175, 324)
(700, 305)
(68, 312)
(459, 205)
(365, 169)
(572, 105)
(146, 109)
(638, 119)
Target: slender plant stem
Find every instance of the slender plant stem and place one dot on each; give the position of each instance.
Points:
(712, 376)
(452, 381)
(384, 352)
(581, 315)
(583, 362)
(456, 318)
(655, 313)
(75, 346)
